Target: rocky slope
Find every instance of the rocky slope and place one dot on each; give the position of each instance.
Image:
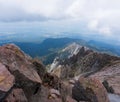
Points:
(111, 74)
(23, 79)
(79, 60)
(89, 63)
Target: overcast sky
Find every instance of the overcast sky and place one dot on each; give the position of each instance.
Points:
(95, 16)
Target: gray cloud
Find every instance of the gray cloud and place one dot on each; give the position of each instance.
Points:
(15, 14)
(32, 10)
(100, 16)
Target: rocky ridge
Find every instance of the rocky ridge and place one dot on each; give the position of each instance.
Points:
(88, 63)
(85, 61)
(23, 79)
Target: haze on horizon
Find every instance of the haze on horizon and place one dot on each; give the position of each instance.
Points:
(92, 18)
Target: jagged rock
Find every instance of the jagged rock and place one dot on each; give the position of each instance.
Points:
(84, 61)
(59, 90)
(64, 92)
(95, 61)
(29, 82)
(54, 96)
(56, 92)
(44, 95)
(51, 81)
(24, 69)
(40, 68)
(111, 74)
(17, 95)
(6, 81)
(41, 95)
(18, 63)
(89, 89)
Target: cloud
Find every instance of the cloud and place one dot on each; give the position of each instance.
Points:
(15, 11)
(101, 16)
(33, 10)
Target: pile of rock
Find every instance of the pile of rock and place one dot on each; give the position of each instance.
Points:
(23, 79)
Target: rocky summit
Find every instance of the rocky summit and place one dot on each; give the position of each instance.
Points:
(24, 79)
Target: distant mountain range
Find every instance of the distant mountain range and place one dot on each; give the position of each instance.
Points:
(50, 47)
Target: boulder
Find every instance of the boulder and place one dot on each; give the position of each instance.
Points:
(51, 80)
(55, 92)
(111, 74)
(18, 63)
(54, 96)
(40, 68)
(21, 66)
(41, 95)
(6, 81)
(89, 89)
(17, 95)
(46, 94)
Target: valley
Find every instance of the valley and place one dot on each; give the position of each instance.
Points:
(49, 48)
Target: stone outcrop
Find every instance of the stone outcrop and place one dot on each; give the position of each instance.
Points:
(18, 70)
(23, 79)
(6, 81)
(111, 74)
(18, 63)
(85, 62)
(17, 95)
(89, 89)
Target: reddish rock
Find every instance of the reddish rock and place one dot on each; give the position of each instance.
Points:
(6, 81)
(89, 89)
(111, 74)
(56, 92)
(54, 96)
(23, 68)
(17, 95)
(28, 86)
(18, 63)
(41, 95)
(44, 95)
